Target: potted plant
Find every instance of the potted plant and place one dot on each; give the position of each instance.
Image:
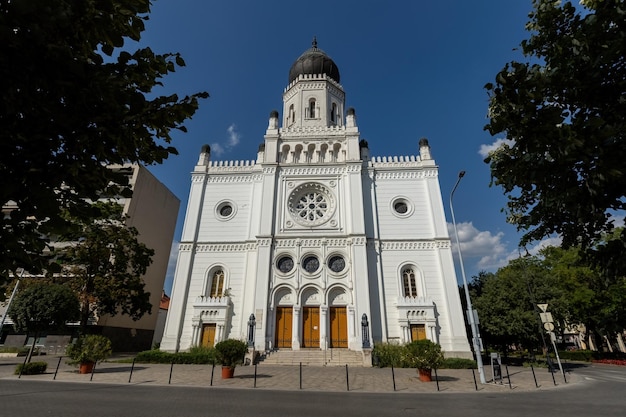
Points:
(87, 350)
(230, 353)
(424, 355)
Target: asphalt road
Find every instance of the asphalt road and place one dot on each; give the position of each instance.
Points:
(599, 393)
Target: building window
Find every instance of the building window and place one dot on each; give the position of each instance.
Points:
(217, 284)
(401, 207)
(292, 116)
(409, 283)
(336, 263)
(311, 204)
(333, 113)
(312, 109)
(285, 264)
(225, 210)
(311, 264)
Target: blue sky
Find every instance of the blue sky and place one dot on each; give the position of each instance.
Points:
(411, 69)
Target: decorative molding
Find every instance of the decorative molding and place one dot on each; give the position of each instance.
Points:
(313, 243)
(415, 245)
(314, 170)
(234, 178)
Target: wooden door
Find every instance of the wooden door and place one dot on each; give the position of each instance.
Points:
(338, 327)
(208, 335)
(311, 327)
(418, 332)
(283, 327)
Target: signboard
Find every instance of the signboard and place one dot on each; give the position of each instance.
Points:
(546, 317)
(543, 307)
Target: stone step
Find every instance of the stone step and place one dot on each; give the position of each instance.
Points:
(331, 357)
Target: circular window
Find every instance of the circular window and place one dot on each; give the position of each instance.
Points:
(311, 264)
(401, 207)
(225, 210)
(285, 264)
(311, 204)
(336, 263)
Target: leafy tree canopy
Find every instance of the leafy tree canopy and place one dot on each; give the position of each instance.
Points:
(42, 305)
(104, 262)
(73, 101)
(564, 112)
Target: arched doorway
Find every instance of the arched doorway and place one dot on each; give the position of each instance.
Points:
(337, 319)
(284, 319)
(310, 318)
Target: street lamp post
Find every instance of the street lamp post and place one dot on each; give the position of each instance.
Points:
(470, 310)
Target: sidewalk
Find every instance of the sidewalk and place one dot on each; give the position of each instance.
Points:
(312, 378)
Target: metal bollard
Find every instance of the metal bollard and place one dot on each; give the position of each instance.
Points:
(393, 378)
(171, 370)
(534, 376)
(347, 379)
(436, 379)
(132, 368)
(57, 370)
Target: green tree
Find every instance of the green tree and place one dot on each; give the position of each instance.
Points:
(41, 306)
(564, 110)
(104, 263)
(506, 303)
(74, 100)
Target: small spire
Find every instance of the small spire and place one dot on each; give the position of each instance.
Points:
(314, 43)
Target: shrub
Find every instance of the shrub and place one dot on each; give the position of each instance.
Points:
(458, 363)
(390, 354)
(230, 352)
(90, 348)
(31, 368)
(196, 355)
(576, 355)
(424, 354)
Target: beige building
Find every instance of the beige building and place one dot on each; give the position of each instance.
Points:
(153, 211)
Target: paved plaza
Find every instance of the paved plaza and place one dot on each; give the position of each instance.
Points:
(311, 378)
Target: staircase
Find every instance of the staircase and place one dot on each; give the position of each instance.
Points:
(312, 357)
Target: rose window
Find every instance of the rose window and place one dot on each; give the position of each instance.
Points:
(311, 204)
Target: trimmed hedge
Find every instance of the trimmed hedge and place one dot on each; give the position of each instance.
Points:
(458, 363)
(196, 355)
(31, 368)
(396, 355)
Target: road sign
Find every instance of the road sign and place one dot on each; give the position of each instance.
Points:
(548, 326)
(543, 307)
(546, 317)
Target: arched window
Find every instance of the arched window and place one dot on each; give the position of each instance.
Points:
(409, 282)
(312, 108)
(217, 284)
(292, 116)
(333, 112)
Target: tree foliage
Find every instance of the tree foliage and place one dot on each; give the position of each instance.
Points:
(42, 305)
(74, 100)
(564, 112)
(104, 263)
(575, 291)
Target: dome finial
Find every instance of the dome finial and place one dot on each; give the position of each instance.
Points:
(314, 43)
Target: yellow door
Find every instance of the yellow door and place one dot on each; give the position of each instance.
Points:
(338, 327)
(311, 327)
(208, 335)
(283, 327)
(418, 332)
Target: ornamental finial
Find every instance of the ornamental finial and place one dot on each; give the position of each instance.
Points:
(314, 43)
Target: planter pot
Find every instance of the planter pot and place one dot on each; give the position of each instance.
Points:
(425, 375)
(85, 368)
(228, 372)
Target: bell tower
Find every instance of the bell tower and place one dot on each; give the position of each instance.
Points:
(313, 97)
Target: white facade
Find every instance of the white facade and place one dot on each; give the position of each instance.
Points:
(314, 236)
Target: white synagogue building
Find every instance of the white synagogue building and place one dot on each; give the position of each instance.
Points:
(315, 245)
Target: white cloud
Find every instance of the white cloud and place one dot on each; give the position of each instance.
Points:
(485, 150)
(233, 136)
(218, 149)
(481, 250)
